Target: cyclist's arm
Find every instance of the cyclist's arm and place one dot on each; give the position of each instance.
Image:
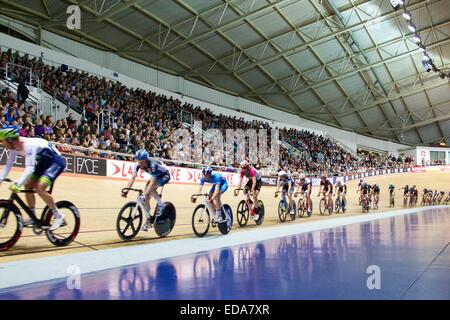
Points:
(30, 163)
(254, 183)
(278, 184)
(8, 165)
(240, 182)
(133, 177)
(202, 183)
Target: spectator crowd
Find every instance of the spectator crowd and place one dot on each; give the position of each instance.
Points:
(136, 118)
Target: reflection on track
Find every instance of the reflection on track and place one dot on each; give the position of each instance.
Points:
(325, 264)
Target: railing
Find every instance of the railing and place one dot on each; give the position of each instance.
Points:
(343, 146)
(105, 117)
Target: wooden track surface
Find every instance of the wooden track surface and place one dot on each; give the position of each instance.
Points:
(99, 201)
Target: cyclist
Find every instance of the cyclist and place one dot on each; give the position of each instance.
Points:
(286, 181)
(220, 185)
(359, 190)
(413, 193)
(405, 194)
(447, 199)
(365, 191)
(252, 187)
(341, 189)
(326, 188)
(159, 176)
(440, 196)
(391, 189)
(306, 185)
(376, 194)
(43, 165)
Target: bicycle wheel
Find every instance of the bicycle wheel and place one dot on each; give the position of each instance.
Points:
(165, 222)
(68, 231)
(11, 224)
(226, 225)
(293, 213)
(301, 208)
(129, 221)
(337, 206)
(242, 213)
(344, 206)
(322, 207)
(282, 211)
(200, 220)
(261, 213)
(310, 208)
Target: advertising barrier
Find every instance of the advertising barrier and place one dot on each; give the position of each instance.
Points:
(74, 163)
(119, 169)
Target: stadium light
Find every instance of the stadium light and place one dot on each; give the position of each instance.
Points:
(417, 39)
(412, 27)
(407, 15)
(426, 57)
(421, 47)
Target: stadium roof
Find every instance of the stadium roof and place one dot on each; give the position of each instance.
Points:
(349, 63)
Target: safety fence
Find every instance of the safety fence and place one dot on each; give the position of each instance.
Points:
(121, 169)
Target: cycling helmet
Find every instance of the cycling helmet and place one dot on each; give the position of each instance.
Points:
(244, 164)
(9, 132)
(142, 154)
(301, 176)
(207, 170)
(391, 185)
(281, 173)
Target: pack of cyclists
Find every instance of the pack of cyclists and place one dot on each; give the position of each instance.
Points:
(44, 163)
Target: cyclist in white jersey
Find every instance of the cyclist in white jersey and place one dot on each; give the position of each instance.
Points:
(43, 164)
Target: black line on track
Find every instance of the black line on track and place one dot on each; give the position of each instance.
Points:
(423, 272)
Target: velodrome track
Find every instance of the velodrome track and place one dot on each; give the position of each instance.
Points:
(99, 201)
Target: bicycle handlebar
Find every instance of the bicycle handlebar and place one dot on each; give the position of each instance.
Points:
(196, 195)
(21, 191)
(133, 189)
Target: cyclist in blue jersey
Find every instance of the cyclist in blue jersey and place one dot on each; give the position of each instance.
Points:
(220, 185)
(159, 176)
(43, 164)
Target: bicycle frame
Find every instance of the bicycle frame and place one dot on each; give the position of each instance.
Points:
(15, 198)
(140, 202)
(210, 208)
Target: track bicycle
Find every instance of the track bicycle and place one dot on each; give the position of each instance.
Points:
(130, 217)
(11, 221)
(201, 217)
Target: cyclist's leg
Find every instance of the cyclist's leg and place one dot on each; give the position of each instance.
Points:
(256, 193)
(330, 199)
(55, 167)
(157, 182)
(247, 188)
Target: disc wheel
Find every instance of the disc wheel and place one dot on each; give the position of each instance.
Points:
(68, 231)
(166, 221)
(293, 215)
(227, 223)
(129, 221)
(11, 225)
(261, 213)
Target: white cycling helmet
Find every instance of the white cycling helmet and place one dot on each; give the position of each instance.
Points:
(244, 164)
(301, 176)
